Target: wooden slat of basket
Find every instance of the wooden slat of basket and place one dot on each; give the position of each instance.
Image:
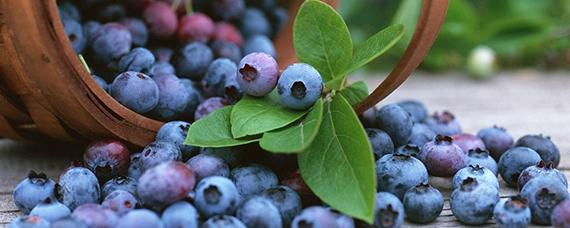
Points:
(10, 110)
(45, 122)
(7, 130)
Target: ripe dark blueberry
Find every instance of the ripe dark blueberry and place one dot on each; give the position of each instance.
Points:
(50, 210)
(233, 156)
(253, 179)
(443, 123)
(110, 42)
(181, 214)
(265, 5)
(257, 74)
(421, 134)
(512, 212)
(215, 78)
(423, 203)
(208, 106)
(388, 211)
(95, 215)
(139, 32)
(299, 86)
(163, 54)
(441, 157)
(481, 174)
(544, 193)
(68, 10)
(128, 184)
(395, 121)
(473, 202)
(135, 91)
(78, 186)
(543, 146)
(135, 169)
(467, 142)
(120, 201)
(195, 27)
(223, 221)
(27, 221)
(227, 32)
(101, 82)
(165, 184)
(232, 90)
(496, 140)
(541, 169)
(204, 165)
(482, 158)
(107, 158)
(318, 216)
(399, 172)
(74, 33)
(195, 99)
(33, 190)
(227, 9)
(139, 59)
(172, 97)
(286, 200)
(258, 212)
(159, 152)
(161, 67)
(160, 19)
(253, 22)
(216, 195)
(381, 142)
(259, 43)
(561, 214)
(193, 60)
(225, 49)
(110, 12)
(175, 132)
(416, 109)
(140, 218)
(368, 118)
(89, 30)
(278, 17)
(514, 161)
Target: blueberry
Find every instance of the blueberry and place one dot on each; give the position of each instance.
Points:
(193, 60)
(232, 90)
(140, 218)
(68, 10)
(120, 201)
(259, 43)
(165, 184)
(233, 156)
(111, 12)
(299, 86)
(29, 221)
(278, 17)
(173, 97)
(257, 74)
(135, 169)
(159, 152)
(443, 123)
(216, 195)
(175, 132)
(381, 142)
(225, 49)
(208, 106)
(423, 203)
(135, 91)
(215, 78)
(228, 32)
(160, 19)
(204, 165)
(139, 59)
(195, 99)
(78, 186)
(388, 211)
(544, 193)
(541, 169)
(441, 157)
(107, 158)
(138, 30)
(473, 202)
(161, 67)
(399, 172)
(254, 22)
(496, 140)
(561, 214)
(68, 222)
(181, 214)
(395, 121)
(227, 9)
(163, 54)
(195, 27)
(421, 134)
(110, 42)
(317, 216)
(265, 5)
(482, 158)
(95, 215)
(74, 33)
(467, 142)
(286, 200)
(128, 184)
(514, 161)
(416, 109)
(89, 30)
(259, 212)
(253, 179)
(368, 118)
(50, 210)
(481, 174)
(543, 146)
(223, 221)
(32, 191)
(101, 82)
(512, 212)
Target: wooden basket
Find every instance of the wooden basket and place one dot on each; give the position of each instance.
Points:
(45, 92)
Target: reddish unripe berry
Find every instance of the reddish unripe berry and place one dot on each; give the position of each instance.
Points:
(196, 27)
(160, 19)
(227, 32)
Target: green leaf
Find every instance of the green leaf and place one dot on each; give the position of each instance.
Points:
(355, 93)
(339, 166)
(253, 115)
(376, 46)
(214, 131)
(297, 137)
(322, 40)
(407, 14)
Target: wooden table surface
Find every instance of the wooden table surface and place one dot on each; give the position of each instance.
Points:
(524, 102)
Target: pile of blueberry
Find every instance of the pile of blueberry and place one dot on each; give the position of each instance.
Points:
(171, 59)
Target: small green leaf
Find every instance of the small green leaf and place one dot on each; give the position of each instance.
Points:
(253, 115)
(214, 131)
(376, 46)
(338, 166)
(297, 137)
(355, 93)
(322, 39)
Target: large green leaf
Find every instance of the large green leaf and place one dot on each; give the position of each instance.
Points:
(214, 131)
(296, 137)
(376, 46)
(339, 166)
(256, 115)
(321, 39)
(355, 93)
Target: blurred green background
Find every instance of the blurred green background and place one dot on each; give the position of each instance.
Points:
(522, 33)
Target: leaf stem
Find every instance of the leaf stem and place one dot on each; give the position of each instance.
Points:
(175, 4)
(188, 7)
(84, 63)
